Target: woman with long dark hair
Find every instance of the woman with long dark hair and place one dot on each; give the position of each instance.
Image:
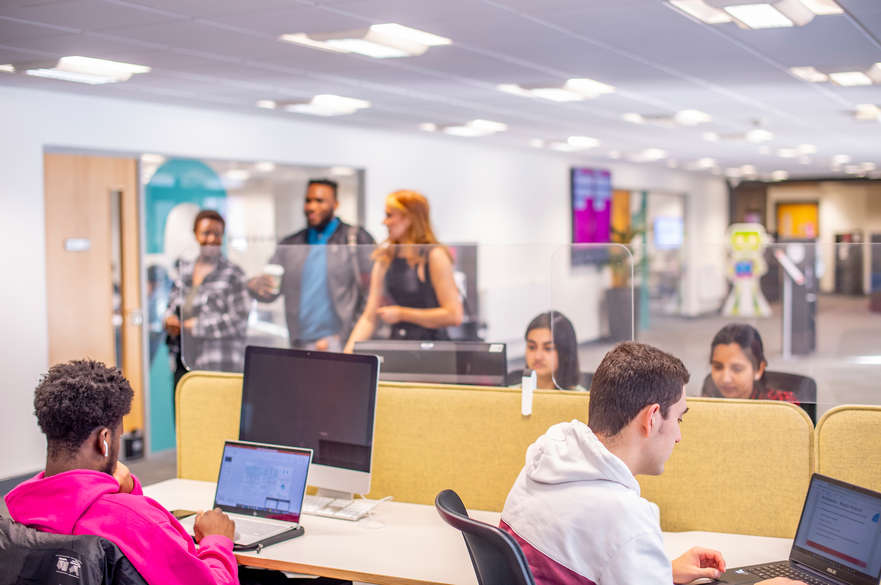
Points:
(737, 366)
(552, 351)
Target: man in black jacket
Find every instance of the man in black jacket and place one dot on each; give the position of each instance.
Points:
(324, 285)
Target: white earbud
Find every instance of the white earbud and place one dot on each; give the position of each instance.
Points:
(106, 449)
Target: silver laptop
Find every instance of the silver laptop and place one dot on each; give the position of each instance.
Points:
(261, 488)
(838, 541)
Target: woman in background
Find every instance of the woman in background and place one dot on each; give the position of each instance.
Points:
(209, 302)
(737, 366)
(414, 272)
(552, 351)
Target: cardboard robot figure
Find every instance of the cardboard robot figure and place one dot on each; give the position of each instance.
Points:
(746, 264)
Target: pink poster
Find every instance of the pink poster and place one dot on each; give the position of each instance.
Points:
(591, 205)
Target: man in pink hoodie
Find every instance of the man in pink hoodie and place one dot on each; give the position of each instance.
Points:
(86, 490)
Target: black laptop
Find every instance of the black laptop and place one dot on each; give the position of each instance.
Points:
(838, 541)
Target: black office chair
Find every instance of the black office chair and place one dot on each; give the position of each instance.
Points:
(803, 387)
(32, 557)
(496, 556)
(515, 377)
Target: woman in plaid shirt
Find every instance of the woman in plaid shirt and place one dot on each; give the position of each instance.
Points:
(210, 301)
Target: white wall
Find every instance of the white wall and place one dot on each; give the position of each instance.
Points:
(478, 193)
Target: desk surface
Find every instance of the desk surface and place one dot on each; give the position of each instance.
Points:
(409, 544)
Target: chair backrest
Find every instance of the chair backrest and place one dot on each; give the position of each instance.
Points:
(31, 556)
(804, 388)
(496, 556)
(849, 444)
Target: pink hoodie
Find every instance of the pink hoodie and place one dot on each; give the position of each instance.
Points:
(89, 502)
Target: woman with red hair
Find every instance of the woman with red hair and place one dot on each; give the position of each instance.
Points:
(411, 286)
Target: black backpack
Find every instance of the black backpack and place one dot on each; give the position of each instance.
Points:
(31, 557)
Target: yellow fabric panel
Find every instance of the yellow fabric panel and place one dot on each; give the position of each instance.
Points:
(208, 410)
(471, 439)
(849, 445)
(743, 466)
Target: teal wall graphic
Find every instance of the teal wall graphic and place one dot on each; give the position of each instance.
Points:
(177, 184)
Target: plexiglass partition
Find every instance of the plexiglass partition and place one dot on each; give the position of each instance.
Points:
(457, 313)
(482, 314)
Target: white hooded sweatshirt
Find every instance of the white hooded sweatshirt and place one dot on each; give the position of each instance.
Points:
(576, 511)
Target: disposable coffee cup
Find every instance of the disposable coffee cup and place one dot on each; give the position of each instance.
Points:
(275, 272)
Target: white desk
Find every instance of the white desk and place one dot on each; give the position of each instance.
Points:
(409, 544)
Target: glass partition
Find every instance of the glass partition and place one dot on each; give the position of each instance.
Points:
(815, 308)
(449, 314)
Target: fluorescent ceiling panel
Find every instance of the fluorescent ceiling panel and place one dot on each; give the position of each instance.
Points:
(850, 78)
(701, 10)
(380, 41)
(809, 74)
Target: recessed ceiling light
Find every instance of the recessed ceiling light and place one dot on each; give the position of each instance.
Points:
(475, 128)
(85, 70)
(633, 118)
(769, 14)
(588, 87)
(266, 104)
(556, 94)
(700, 10)
(840, 159)
(583, 142)
(705, 163)
(806, 149)
(779, 175)
(381, 41)
(428, 127)
(264, 166)
(152, 159)
(759, 135)
(537, 143)
(649, 155)
(874, 72)
(850, 78)
(575, 89)
(823, 7)
(691, 117)
(7, 68)
(325, 105)
(809, 74)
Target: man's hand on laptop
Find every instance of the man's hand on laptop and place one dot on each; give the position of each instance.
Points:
(214, 522)
(698, 562)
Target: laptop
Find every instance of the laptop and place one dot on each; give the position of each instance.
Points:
(838, 541)
(261, 488)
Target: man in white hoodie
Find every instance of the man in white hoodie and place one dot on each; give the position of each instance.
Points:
(575, 509)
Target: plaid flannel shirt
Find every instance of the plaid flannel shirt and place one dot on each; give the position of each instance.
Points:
(216, 341)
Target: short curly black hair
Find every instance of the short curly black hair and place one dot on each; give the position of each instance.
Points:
(76, 397)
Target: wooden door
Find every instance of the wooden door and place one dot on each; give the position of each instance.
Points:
(91, 210)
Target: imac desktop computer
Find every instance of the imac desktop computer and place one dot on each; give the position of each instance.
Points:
(316, 400)
(442, 362)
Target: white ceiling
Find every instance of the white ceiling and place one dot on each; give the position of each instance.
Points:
(225, 53)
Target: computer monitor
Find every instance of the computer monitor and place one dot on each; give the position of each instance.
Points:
(443, 362)
(317, 400)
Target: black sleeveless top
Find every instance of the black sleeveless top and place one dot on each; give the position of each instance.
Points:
(402, 284)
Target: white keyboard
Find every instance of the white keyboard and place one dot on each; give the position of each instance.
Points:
(342, 509)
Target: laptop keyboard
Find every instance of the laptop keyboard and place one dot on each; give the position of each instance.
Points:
(250, 530)
(785, 569)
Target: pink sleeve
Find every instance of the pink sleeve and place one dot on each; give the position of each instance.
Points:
(159, 547)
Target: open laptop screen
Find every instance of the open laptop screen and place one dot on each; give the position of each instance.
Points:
(840, 531)
(262, 480)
